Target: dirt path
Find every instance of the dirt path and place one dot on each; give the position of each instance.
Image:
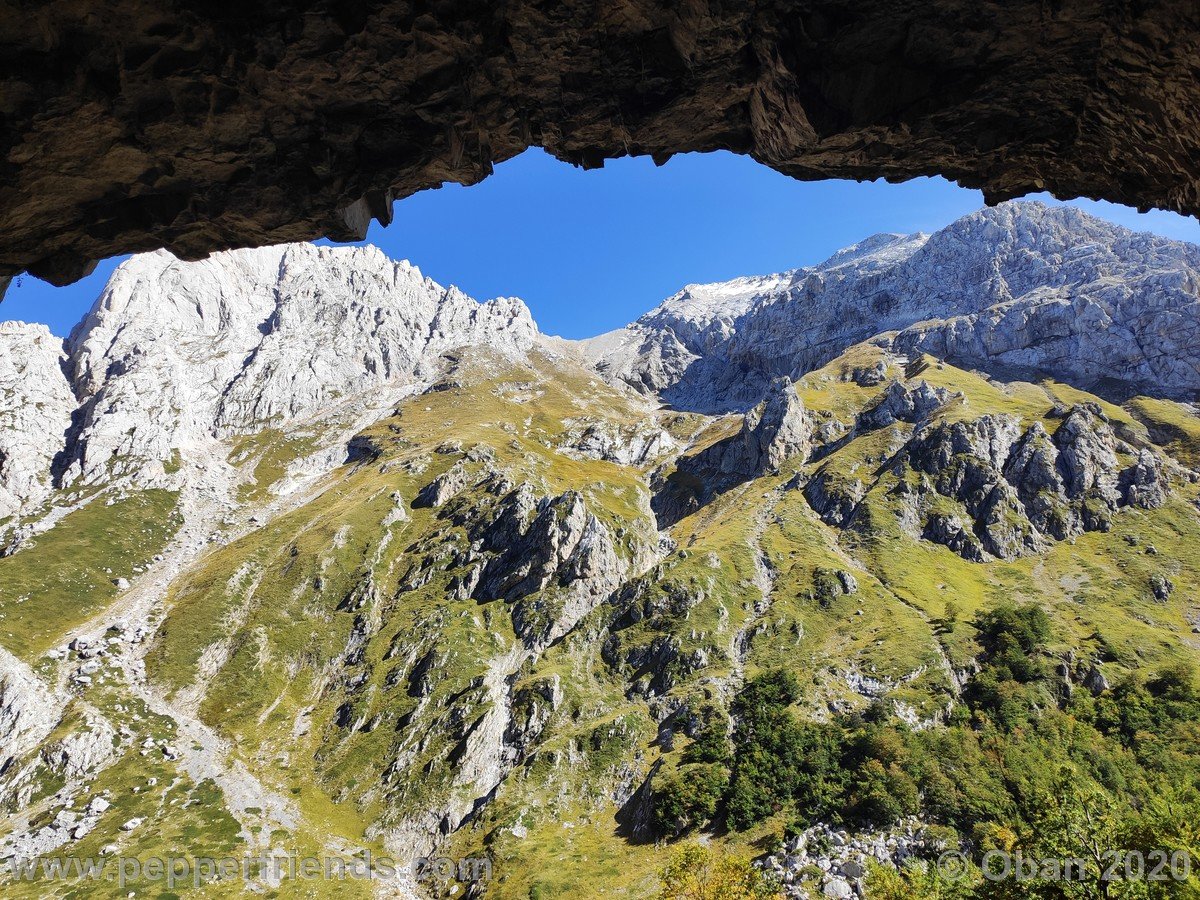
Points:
(210, 519)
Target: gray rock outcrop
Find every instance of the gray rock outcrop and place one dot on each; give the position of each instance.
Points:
(1020, 489)
(902, 402)
(174, 353)
(554, 565)
(1143, 484)
(776, 430)
(29, 710)
(35, 414)
(1020, 287)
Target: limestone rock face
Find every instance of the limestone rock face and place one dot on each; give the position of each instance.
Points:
(29, 711)
(1020, 489)
(648, 359)
(1087, 455)
(442, 488)
(1019, 289)
(1143, 483)
(776, 430)
(628, 445)
(834, 499)
(550, 557)
(963, 454)
(904, 403)
(990, 487)
(964, 461)
(1033, 469)
(130, 127)
(174, 353)
(83, 751)
(533, 706)
(560, 544)
(35, 414)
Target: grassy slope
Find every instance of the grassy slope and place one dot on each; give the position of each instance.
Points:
(894, 628)
(263, 627)
(269, 611)
(69, 573)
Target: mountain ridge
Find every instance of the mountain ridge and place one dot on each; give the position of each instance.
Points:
(333, 558)
(987, 276)
(174, 354)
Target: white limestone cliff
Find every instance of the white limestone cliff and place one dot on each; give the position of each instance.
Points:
(1021, 287)
(35, 413)
(174, 354)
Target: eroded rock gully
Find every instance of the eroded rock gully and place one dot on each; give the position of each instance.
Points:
(131, 126)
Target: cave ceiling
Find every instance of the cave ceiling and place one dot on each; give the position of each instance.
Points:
(129, 125)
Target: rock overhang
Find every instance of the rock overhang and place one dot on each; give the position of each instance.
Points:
(131, 127)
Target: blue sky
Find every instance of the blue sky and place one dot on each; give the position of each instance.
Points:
(590, 251)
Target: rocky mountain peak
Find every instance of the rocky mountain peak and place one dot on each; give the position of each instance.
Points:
(877, 252)
(35, 413)
(174, 354)
(1021, 287)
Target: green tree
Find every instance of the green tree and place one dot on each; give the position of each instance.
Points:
(701, 873)
(921, 881)
(710, 743)
(769, 747)
(687, 797)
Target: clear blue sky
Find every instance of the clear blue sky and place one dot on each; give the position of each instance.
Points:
(590, 251)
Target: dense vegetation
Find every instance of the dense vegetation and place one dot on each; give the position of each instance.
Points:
(700, 873)
(1022, 761)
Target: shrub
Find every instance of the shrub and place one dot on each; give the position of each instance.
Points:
(701, 873)
(710, 742)
(687, 797)
(767, 746)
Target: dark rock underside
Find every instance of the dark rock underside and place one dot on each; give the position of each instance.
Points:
(128, 125)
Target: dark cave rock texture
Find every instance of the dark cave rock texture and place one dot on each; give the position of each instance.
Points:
(130, 125)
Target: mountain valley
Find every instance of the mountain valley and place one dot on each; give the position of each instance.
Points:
(303, 552)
